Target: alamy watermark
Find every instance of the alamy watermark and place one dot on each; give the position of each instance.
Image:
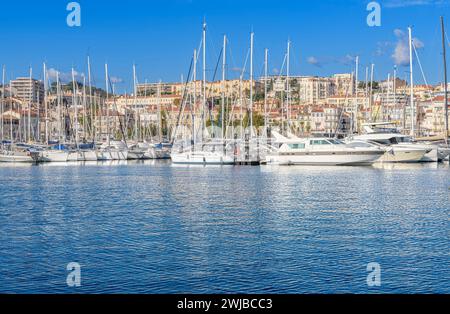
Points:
(374, 276)
(374, 17)
(74, 17)
(74, 277)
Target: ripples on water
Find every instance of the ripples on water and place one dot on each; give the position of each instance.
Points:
(157, 228)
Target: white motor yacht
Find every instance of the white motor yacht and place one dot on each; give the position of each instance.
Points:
(320, 151)
(393, 154)
(404, 148)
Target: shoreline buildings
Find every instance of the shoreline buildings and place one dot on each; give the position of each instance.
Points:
(317, 105)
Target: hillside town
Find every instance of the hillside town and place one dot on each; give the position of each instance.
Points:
(314, 105)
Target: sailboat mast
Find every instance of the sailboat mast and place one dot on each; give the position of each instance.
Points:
(3, 103)
(45, 102)
(251, 83)
(371, 90)
(444, 52)
(90, 99)
(388, 96)
(394, 88)
(159, 112)
(58, 103)
(84, 108)
(204, 77)
(266, 62)
(28, 137)
(355, 123)
(10, 116)
(75, 106)
(412, 109)
(106, 103)
(288, 85)
(195, 98)
(224, 61)
(135, 105)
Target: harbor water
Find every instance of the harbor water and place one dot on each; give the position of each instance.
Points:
(151, 227)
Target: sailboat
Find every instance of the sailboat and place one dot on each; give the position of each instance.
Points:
(157, 149)
(209, 151)
(17, 153)
(56, 153)
(10, 151)
(112, 150)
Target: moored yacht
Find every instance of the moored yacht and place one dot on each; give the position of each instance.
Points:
(402, 147)
(136, 152)
(158, 151)
(19, 154)
(321, 151)
(54, 155)
(208, 154)
(393, 154)
(116, 150)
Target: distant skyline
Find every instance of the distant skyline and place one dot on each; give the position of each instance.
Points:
(159, 36)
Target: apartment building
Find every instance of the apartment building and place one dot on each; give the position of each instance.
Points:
(28, 89)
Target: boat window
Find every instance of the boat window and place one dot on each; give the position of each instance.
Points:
(393, 140)
(358, 144)
(383, 142)
(297, 146)
(403, 139)
(319, 142)
(334, 141)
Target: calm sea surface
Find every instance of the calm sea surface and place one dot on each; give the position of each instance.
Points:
(157, 228)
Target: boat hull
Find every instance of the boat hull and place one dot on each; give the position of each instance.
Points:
(16, 158)
(323, 159)
(399, 155)
(201, 158)
(443, 153)
(104, 155)
(135, 155)
(154, 153)
(89, 155)
(55, 156)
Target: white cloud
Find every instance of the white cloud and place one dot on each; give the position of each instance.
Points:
(314, 61)
(64, 77)
(382, 48)
(321, 61)
(347, 59)
(116, 80)
(401, 51)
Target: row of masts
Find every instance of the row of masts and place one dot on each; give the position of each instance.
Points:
(286, 112)
(28, 134)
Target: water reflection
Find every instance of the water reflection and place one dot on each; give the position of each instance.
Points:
(149, 227)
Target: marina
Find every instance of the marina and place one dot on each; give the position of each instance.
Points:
(215, 130)
(242, 151)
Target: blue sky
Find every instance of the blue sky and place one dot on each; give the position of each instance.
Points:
(160, 36)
